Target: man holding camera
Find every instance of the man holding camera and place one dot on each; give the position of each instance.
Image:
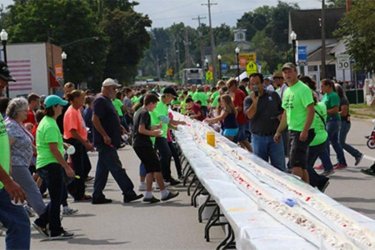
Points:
(263, 109)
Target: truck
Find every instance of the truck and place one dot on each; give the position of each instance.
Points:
(36, 67)
(192, 76)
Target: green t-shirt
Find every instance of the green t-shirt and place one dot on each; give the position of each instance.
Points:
(183, 107)
(5, 148)
(135, 99)
(117, 103)
(161, 110)
(175, 102)
(295, 100)
(47, 132)
(215, 102)
(318, 125)
(331, 100)
(202, 97)
(214, 95)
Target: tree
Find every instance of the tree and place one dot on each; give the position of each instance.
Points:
(357, 29)
(61, 22)
(121, 32)
(128, 39)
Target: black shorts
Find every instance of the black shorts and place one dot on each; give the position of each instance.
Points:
(149, 158)
(298, 149)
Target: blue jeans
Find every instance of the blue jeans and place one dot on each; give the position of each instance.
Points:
(15, 219)
(80, 162)
(325, 158)
(345, 127)
(333, 129)
(266, 148)
(53, 175)
(165, 154)
(314, 178)
(109, 161)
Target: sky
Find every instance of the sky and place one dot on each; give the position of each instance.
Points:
(164, 13)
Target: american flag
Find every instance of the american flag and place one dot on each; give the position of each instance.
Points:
(20, 70)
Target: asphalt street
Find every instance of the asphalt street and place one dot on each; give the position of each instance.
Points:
(174, 224)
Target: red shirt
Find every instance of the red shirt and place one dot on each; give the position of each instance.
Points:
(30, 117)
(239, 97)
(196, 109)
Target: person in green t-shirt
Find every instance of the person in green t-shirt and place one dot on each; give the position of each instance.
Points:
(182, 99)
(50, 162)
(160, 116)
(298, 115)
(317, 146)
(332, 100)
(119, 107)
(117, 103)
(12, 217)
(201, 98)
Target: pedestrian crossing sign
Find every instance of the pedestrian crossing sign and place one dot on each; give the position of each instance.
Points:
(209, 76)
(251, 68)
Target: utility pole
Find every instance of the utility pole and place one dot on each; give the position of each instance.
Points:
(323, 27)
(199, 18)
(213, 57)
(187, 52)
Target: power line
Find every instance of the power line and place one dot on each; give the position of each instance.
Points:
(199, 18)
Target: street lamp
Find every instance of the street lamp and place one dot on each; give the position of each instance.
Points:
(64, 55)
(293, 38)
(219, 59)
(206, 63)
(4, 39)
(237, 51)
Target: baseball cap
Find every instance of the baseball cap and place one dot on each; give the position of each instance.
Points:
(4, 72)
(170, 90)
(277, 74)
(110, 82)
(53, 100)
(289, 65)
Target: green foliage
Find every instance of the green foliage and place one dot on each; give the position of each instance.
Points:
(127, 40)
(358, 31)
(121, 34)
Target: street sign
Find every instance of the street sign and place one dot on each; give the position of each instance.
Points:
(251, 68)
(302, 54)
(245, 58)
(59, 71)
(224, 67)
(343, 61)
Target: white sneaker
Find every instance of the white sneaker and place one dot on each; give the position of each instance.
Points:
(156, 186)
(142, 186)
(69, 211)
(30, 212)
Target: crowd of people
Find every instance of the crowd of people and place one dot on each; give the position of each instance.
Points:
(45, 140)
